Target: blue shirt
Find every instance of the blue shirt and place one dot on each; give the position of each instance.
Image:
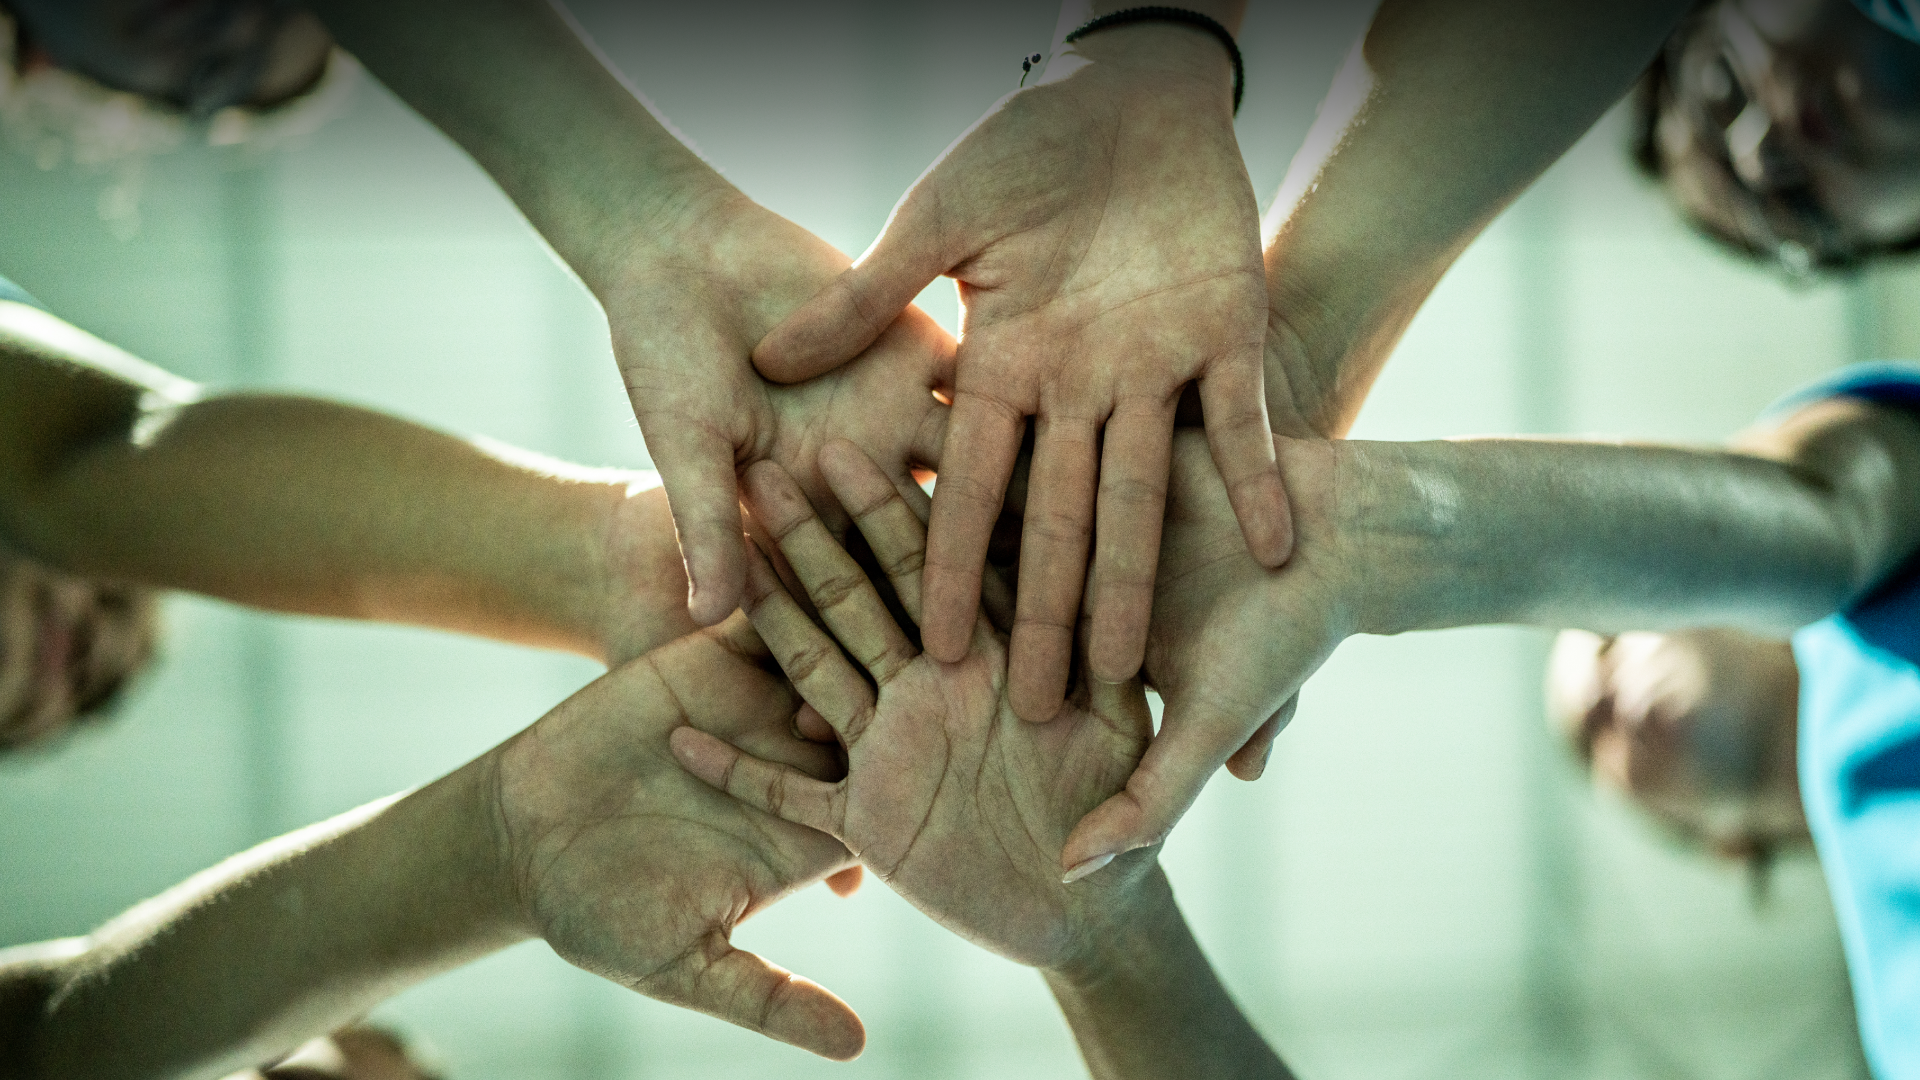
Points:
(1860, 772)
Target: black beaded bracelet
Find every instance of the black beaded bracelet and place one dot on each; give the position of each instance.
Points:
(1177, 15)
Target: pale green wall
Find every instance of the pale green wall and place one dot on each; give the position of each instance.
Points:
(1420, 887)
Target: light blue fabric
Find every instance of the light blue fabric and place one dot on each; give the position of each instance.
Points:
(1860, 770)
(1860, 782)
(1900, 16)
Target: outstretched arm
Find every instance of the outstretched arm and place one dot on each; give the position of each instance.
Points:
(974, 839)
(581, 830)
(111, 468)
(1808, 516)
(1443, 114)
(688, 270)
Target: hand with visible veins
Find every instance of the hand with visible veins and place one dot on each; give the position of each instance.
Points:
(1104, 235)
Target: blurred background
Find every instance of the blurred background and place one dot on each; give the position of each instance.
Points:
(1421, 886)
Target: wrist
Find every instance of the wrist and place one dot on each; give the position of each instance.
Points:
(1166, 60)
(1123, 929)
(1424, 541)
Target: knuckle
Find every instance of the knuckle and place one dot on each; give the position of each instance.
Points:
(910, 563)
(807, 661)
(836, 589)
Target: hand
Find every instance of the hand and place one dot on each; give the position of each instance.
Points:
(1104, 236)
(685, 314)
(633, 870)
(949, 797)
(1232, 641)
(1697, 727)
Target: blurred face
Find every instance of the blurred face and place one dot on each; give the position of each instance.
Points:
(1793, 128)
(1696, 727)
(66, 647)
(199, 56)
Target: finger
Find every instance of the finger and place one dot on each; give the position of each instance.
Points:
(697, 469)
(811, 726)
(836, 585)
(1185, 754)
(1053, 563)
(1250, 761)
(846, 882)
(785, 792)
(858, 306)
(1234, 397)
(983, 436)
(813, 663)
(741, 988)
(1133, 503)
(892, 529)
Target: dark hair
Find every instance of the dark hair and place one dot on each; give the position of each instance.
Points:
(1651, 98)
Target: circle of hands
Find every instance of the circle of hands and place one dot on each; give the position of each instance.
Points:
(1008, 780)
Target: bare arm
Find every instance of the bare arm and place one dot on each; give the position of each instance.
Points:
(1149, 1004)
(114, 469)
(1809, 516)
(581, 830)
(1441, 117)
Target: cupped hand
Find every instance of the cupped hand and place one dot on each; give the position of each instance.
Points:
(685, 313)
(635, 871)
(1697, 727)
(1232, 641)
(1104, 235)
(949, 797)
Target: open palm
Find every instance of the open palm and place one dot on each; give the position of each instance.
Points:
(949, 797)
(635, 871)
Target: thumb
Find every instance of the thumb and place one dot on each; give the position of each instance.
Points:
(696, 467)
(741, 988)
(857, 307)
(1181, 759)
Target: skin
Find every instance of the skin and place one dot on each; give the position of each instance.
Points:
(1802, 518)
(199, 57)
(116, 477)
(1101, 227)
(690, 273)
(959, 805)
(1696, 727)
(581, 830)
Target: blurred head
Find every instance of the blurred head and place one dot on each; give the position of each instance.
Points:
(1789, 130)
(194, 56)
(1697, 727)
(67, 648)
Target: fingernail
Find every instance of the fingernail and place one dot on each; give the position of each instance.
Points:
(1091, 866)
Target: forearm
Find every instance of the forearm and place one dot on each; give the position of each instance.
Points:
(1441, 117)
(1617, 537)
(1150, 1005)
(308, 506)
(288, 941)
(516, 86)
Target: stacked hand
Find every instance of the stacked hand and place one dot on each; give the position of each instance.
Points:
(1105, 238)
(949, 797)
(633, 870)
